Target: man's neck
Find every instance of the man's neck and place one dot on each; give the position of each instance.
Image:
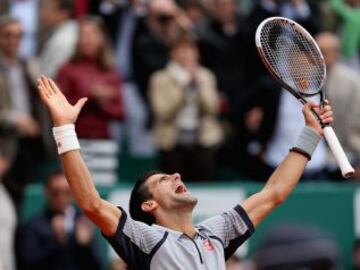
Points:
(181, 222)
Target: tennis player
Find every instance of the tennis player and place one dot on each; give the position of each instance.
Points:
(160, 234)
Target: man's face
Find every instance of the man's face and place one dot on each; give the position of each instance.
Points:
(169, 192)
(58, 193)
(91, 40)
(51, 14)
(185, 55)
(330, 52)
(224, 10)
(10, 38)
(162, 14)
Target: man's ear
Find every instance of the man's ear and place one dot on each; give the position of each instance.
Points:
(149, 206)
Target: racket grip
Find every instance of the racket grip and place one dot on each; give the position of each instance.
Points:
(346, 169)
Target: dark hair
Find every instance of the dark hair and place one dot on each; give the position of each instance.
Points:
(139, 194)
(186, 39)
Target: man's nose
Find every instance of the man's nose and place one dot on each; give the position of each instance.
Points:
(176, 176)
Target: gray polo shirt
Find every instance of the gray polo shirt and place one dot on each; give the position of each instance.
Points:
(158, 248)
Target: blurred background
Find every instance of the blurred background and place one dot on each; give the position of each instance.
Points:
(176, 86)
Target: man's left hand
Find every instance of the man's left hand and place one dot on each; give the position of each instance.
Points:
(325, 113)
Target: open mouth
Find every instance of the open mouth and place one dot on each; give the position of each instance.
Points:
(181, 189)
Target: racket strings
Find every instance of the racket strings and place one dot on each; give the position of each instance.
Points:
(293, 57)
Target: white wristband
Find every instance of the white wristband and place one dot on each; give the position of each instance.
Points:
(65, 138)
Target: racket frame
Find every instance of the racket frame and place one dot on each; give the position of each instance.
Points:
(301, 30)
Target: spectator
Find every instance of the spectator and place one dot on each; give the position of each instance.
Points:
(62, 33)
(59, 237)
(91, 73)
(350, 14)
(117, 14)
(194, 10)
(287, 125)
(122, 21)
(244, 153)
(185, 103)
(22, 117)
(343, 90)
(27, 12)
(227, 48)
(224, 49)
(294, 247)
(151, 45)
(83, 7)
(7, 222)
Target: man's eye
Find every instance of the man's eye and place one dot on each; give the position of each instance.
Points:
(163, 178)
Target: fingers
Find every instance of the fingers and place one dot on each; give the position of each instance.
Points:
(309, 107)
(47, 86)
(81, 102)
(54, 86)
(316, 107)
(328, 120)
(42, 90)
(327, 113)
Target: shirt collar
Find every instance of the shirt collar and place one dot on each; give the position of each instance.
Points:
(177, 233)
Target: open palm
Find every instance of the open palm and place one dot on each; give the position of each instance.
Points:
(62, 112)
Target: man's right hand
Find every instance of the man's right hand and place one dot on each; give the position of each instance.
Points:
(62, 112)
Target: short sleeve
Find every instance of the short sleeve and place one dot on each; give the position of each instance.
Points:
(135, 242)
(232, 228)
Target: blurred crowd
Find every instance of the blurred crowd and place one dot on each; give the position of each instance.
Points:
(177, 80)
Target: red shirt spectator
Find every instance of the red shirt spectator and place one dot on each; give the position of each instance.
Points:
(102, 87)
(91, 74)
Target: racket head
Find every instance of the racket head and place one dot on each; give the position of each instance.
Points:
(291, 55)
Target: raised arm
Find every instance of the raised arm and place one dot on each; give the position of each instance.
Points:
(104, 214)
(287, 175)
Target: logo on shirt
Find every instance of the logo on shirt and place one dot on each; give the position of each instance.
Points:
(208, 245)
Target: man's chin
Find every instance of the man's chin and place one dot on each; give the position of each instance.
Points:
(186, 199)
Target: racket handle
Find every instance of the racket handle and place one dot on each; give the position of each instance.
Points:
(346, 169)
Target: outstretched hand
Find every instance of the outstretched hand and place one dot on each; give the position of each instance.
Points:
(325, 113)
(62, 112)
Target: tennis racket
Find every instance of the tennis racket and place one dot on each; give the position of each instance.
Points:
(294, 60)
